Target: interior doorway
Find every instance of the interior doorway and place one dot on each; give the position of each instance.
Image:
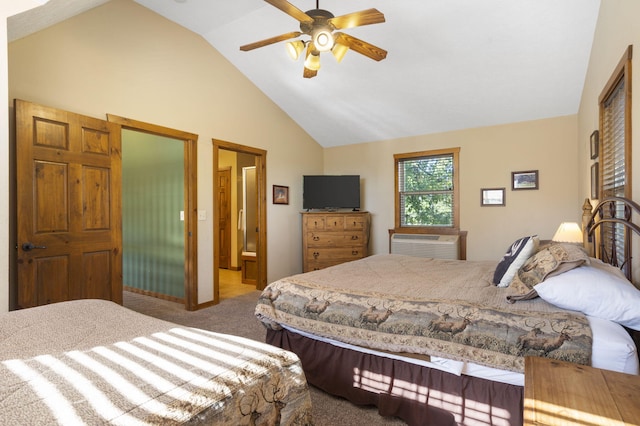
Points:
(241, 207)
(189, 296)
(153, 215)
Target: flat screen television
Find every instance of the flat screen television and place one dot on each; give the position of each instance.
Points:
(330, 192)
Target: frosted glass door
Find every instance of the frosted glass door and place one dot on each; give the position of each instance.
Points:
(152, 223)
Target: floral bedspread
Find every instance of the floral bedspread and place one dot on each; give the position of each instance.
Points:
(368, 307)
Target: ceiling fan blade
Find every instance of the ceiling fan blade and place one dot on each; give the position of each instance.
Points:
(360, 46)
(309, 73)
(358, 19)
(290, 10)
(269, 41)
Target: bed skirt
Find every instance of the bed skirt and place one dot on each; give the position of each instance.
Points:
(416, 394)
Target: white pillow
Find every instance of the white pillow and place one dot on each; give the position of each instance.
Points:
(597, 290)
(613, 347)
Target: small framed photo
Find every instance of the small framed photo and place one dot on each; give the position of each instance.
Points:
(524, 180)
(594, 181)
(492, 197)
(280, 194)
(594, 141)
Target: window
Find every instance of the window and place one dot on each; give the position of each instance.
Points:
(615, 152)
(427, 189)
(615, 125)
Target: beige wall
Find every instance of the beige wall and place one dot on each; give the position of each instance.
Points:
(487, 158)
(123, 59)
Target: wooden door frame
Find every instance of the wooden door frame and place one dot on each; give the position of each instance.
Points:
(261, 187)
(190, 203)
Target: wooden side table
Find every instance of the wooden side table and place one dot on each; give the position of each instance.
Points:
(562, 393)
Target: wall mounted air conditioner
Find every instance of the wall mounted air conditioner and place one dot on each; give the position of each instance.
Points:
(426, 245)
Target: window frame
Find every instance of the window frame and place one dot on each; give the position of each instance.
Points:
(399, 158)
(621, 72)
(613, 236)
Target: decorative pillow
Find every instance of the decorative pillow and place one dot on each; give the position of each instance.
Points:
(516, 255)
(596, 290)
(554, 260)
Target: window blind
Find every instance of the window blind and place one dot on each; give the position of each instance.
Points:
(614, 174)
(613, 143)
(425, 186)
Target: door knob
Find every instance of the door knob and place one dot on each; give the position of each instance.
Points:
(31, 246)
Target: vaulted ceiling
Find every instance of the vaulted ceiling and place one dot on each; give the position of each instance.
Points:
(451, 64)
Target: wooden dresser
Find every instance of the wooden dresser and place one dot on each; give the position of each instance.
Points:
(562, 393)
(331, 238)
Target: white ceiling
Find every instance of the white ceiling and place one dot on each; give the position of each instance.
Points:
(452, 64)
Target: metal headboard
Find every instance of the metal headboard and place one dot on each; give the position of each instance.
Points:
(617, 210)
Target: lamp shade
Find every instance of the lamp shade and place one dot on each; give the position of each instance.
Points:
(295, 48)
(568, 232)
(312, 62)
(339, 50)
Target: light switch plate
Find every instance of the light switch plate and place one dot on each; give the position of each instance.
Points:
(202, 215)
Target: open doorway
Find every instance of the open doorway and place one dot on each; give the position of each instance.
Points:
(239, 219)
(184, 218)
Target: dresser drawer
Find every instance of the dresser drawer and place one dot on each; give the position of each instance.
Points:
(335, 239)
(344, 254)
(315, 265)
(334, 223)
(314, 222)
(355, 222)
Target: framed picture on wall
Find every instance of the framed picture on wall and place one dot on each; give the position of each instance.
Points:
(280, 194)
(524, 180)
(492, 197)
(594, 141)
(594, 181)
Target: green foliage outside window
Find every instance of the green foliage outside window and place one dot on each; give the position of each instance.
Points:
(426, 191)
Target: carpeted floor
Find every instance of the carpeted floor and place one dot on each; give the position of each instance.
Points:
(235, 316)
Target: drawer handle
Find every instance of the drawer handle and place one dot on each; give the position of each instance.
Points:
(335, 223)
(354, 237)
(316, 238)
(354, 252)
(316, 254)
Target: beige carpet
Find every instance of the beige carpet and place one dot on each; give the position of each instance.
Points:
(235, 316)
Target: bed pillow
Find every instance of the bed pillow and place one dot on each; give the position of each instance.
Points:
(516, 255)
(596, 290)
(553, 260)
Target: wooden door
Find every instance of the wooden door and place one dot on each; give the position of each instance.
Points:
(224, 226)
(68, 206)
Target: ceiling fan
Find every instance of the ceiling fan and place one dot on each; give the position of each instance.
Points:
(320, 24)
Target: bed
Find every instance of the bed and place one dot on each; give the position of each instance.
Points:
(96, 362)
(443, 342)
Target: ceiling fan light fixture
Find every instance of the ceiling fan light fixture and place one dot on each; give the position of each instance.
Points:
(323, 39)
(295, 48)
(338, 51)
(312, 62)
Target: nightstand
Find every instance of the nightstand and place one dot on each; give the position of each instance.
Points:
(562, 393)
